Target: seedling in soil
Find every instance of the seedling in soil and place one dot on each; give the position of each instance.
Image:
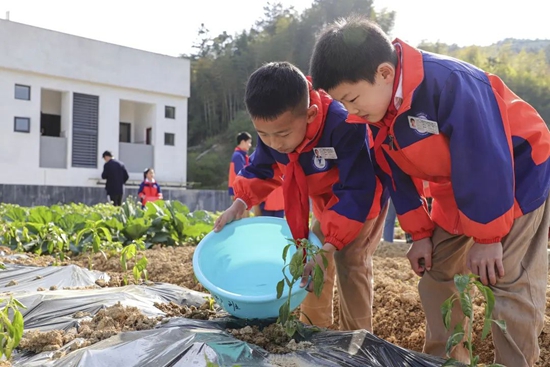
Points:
(130, 252)
(92, 238)
(11, 330)
(466, 285)
(211, 302)
(296, 266)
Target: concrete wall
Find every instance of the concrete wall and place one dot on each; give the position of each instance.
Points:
(53, 152)
(51, 102)
(32, 195)
(136, 157)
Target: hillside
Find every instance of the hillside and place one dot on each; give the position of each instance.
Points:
(222, 64)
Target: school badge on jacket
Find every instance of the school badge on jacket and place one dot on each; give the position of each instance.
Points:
(320, 156)
(319, 162)
(422, 125)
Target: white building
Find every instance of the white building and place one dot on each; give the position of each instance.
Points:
(66, 99)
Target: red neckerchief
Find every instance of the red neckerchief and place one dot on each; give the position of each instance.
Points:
(295, 189)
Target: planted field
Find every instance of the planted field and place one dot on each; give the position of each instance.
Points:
(93, 273)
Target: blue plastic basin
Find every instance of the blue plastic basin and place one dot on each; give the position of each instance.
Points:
(242, 264)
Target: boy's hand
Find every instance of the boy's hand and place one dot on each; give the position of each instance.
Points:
(235, 211)
(310, 267)
(484, 259)
(420, 255)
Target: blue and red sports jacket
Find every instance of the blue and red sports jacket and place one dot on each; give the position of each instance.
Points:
(487, 164)
(275, 201)
(344, 191)
(149, 191)
(238, 161)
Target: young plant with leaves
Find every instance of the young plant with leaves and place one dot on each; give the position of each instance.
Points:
(140, 266)
(466, 286)
(11, 329)
(305, 250)
(91, 239)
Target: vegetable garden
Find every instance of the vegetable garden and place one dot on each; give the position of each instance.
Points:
(152, 248)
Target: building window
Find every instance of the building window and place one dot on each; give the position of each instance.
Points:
(22, 124)
(22, 92)
(85, 130)
(170, 112)
(169, 139)
(149, 136)
(125, 132)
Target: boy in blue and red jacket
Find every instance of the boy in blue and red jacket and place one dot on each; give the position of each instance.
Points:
(149, 189)
(239, 159)
(485, 154)
(293, 120)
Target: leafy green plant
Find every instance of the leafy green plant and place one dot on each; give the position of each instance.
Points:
(48, 238)
(304, 250)
(92, 237)
(466, 286)
(11, 329)
(140, 266)
(16, 236)
(79, 228)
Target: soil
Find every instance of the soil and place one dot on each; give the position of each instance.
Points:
(106, 323)
(166, 265)
(398, 315)
(173, 309)
(272, 338)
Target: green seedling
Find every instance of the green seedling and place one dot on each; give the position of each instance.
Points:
(466, 286)
(130, 252)
(211, 302)
(11, 329)
(296, 266)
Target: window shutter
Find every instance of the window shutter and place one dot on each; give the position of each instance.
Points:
(85, 123)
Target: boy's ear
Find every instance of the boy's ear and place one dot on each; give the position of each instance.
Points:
(386, 72)
(312, 113)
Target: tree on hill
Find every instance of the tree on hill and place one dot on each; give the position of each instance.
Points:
(221, 65)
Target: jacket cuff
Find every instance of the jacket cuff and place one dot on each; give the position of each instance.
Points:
(335, 242)
(246, 201)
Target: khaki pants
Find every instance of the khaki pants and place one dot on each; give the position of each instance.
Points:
(520, 296)
(353, 265)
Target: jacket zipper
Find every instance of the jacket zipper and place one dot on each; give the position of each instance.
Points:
(391, 143)
(395, 146)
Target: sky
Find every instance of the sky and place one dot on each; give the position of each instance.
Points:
(170, 26)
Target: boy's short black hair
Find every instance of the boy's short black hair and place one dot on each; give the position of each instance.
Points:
(275, 88)
(107, 154)
(243, 136)
(349, 50)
